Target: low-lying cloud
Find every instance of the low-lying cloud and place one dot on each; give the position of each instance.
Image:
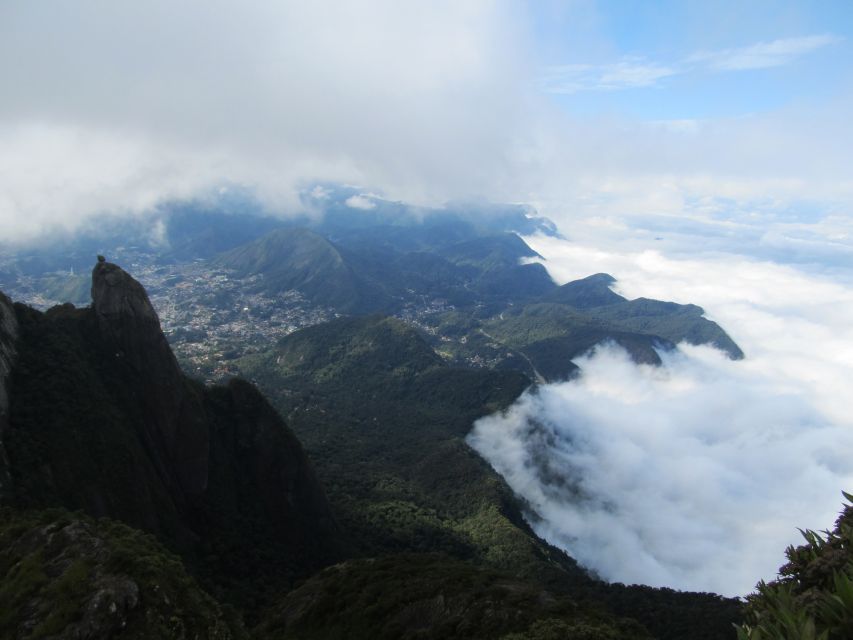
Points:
(694, 475)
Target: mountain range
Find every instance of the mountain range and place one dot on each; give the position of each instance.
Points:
(333, 495)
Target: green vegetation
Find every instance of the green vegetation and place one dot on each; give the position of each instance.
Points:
(297, 259)
(674, 322)
(812, 599)
(542, 338)
(587, 293)
(488, 309)
(66, 575)
(429, 596)
(384, 420)
(389, 267)
(535, 322)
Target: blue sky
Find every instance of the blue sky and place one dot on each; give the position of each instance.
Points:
(788, 53)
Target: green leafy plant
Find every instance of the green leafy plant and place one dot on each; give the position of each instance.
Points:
(812, 599)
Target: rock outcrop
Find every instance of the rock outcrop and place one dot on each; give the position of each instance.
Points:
(101, 418)
(129, 328)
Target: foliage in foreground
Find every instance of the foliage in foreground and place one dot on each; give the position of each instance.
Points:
(812, 599)
(65, 575)
(432, 596)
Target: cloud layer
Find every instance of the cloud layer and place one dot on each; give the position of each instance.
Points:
(112, 106)
(694, 475)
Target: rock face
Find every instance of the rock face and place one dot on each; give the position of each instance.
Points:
(100, 418)
(128, 325)
(8, 338)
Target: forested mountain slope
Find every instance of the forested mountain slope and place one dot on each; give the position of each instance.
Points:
(97, 416)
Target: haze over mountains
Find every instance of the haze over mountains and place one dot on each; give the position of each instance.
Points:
(464, 277)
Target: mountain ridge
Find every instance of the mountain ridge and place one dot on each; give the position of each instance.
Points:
(216, 474)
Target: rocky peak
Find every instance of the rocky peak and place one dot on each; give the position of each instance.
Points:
(130, 332)
(101, 419)
(118, 299)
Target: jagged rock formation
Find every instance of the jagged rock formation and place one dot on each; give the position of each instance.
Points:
(173, 417)
(101, 419)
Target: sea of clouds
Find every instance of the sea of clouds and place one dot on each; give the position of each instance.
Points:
(696, 474)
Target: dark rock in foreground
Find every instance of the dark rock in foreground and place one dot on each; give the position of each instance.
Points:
(101, 418)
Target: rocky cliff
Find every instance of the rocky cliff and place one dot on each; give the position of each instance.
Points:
(174, 419)
(101, 418)
(8, 339)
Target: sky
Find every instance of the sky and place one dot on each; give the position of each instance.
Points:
(687, 61)
(698, 151)
(587, 110)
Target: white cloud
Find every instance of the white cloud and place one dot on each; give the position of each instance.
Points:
(749, 185)
(632, 72)
(320, 193)
(267, 95)
(360, 201)
(694, 475)
(109, 109)
(762, 55)
(628, 73)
